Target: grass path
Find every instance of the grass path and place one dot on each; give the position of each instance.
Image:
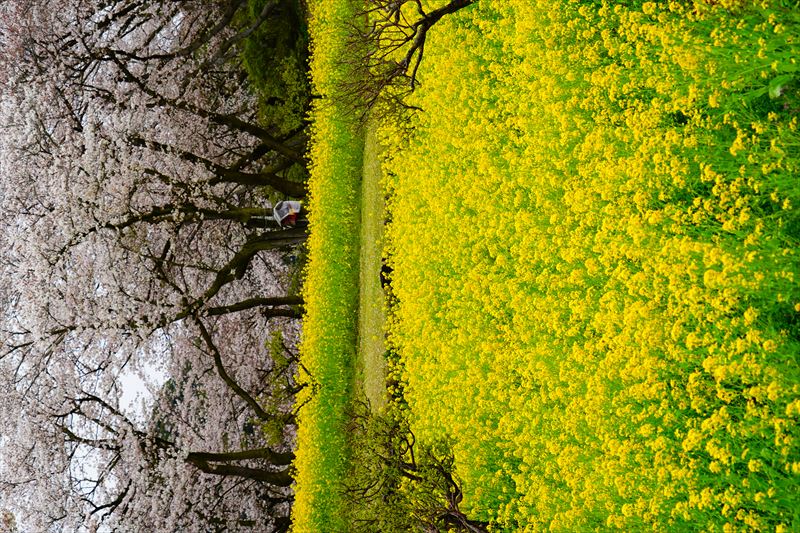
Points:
(371, 364)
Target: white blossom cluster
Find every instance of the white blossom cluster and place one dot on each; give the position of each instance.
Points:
(136, 241)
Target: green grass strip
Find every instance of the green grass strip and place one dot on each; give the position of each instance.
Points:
(331, 286)
(371, 365)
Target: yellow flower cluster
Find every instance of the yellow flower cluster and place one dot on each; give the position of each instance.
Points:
(594, 234)
(330, 288)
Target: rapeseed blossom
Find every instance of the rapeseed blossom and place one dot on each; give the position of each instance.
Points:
(330, 288)
(599, 308)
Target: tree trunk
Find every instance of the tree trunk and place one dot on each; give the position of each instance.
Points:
(275, 458)
(279, 479)
(261, 302)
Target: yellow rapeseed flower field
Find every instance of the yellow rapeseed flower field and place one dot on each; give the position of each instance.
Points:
(594, 235)
(330, 289)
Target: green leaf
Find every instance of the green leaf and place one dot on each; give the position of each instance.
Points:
(777, 84)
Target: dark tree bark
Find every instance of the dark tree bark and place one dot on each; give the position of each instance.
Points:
(261, 302)
(224, 174)
(278, 479)
(392, 32)
(274, 458)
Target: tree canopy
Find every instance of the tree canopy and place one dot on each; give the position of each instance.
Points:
(136, 190)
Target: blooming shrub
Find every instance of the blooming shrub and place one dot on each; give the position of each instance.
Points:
(594, 240)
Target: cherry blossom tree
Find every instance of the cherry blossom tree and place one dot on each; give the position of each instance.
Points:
(76, 458)
(136, 235)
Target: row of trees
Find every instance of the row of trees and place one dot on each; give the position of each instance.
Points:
(137, 241)
(135, 163)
